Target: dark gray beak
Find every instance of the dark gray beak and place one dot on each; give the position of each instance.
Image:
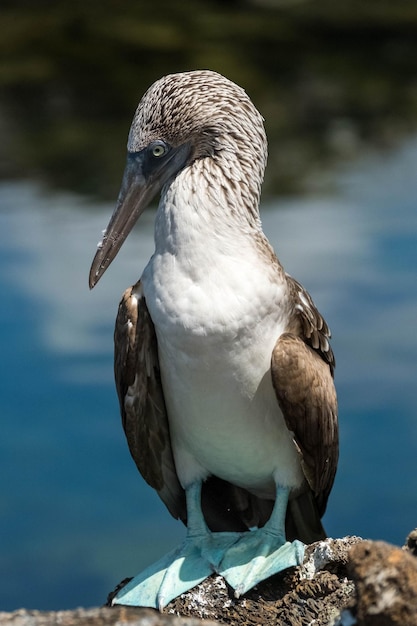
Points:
(143, 179)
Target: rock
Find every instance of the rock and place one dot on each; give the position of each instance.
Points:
(411, 542)
(385, 578)
(97, 617)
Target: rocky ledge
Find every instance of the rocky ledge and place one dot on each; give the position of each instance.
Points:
(342, 582)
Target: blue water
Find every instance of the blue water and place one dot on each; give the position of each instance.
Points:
(75, 516)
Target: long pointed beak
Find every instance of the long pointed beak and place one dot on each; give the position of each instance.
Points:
(141, 183)
(135, 195)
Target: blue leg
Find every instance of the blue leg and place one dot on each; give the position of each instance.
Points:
(184, 567)
(263, 552)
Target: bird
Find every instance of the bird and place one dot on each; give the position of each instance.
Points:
(223, 365)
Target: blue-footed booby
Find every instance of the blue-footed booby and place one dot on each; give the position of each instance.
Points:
(223, 366)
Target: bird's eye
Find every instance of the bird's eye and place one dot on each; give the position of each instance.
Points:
(159, 149)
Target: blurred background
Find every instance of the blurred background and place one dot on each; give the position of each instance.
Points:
(337, 85)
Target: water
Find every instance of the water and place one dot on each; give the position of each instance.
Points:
(75, 516)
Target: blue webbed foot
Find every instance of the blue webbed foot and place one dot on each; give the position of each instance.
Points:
(177, 572)
(258, 555)
(262, 552)
(184, 567)
(243, 559)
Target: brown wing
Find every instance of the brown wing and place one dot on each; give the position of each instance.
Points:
(142, 405)
(302, 373)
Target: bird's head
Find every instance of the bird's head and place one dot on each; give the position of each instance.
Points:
(183, 118)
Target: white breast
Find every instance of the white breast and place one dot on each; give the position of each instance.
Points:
(218, 312)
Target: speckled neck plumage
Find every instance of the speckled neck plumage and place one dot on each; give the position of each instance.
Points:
(225, 129)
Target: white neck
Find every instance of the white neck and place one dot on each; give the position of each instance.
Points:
(212, 268)
(197, 217)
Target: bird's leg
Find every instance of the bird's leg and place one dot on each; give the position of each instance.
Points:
(262, 552)
(184, 567)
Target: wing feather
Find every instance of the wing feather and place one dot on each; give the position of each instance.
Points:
(141, 398)
(302, 373)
